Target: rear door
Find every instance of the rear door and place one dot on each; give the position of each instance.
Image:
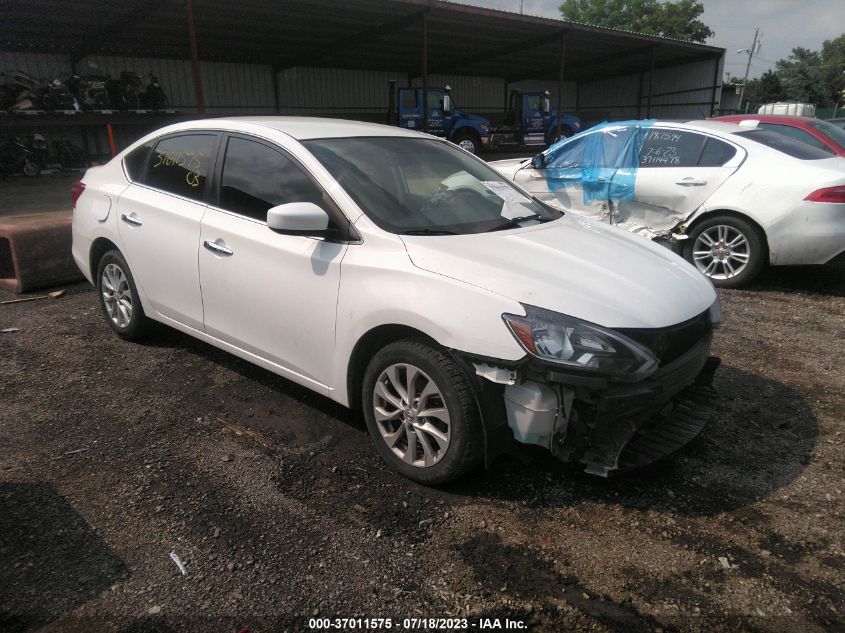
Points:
(410, 109)
(159, 218)
(678, 171)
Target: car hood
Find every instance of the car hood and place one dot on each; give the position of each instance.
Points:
(508, 167)
(572, 265)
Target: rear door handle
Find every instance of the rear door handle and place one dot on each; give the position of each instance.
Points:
(220, 249)
(131, 219)
(691, 182)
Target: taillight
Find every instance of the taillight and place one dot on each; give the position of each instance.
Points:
(76, 190)
(828, 194)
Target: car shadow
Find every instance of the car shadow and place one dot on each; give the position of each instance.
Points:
(750, 450)
(822, 280)
(52, 560)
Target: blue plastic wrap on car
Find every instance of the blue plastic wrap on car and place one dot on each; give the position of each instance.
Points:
(603, 159)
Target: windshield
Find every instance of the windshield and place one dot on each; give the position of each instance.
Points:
(836, 134)
(786, 144)
(424, 186)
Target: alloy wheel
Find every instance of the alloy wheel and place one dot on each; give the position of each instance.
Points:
(117, 297)
(411, 415)
(721, 252)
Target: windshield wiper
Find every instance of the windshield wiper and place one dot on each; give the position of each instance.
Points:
(428, 232)
(514, 222)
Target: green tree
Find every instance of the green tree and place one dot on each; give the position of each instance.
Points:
(833, 69)
(801, 76)
(768, 89)
(678, 19)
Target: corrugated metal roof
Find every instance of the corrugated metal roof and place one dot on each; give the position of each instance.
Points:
(374, 34)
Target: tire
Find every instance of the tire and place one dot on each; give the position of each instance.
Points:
(443, 385)
(467, 141)
(30, 168)
(729, 250)
(114, 271)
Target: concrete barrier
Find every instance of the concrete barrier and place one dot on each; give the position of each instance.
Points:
(35, 251)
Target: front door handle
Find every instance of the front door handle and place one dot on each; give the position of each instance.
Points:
(220, 249)
(131, 219)
(691, 182)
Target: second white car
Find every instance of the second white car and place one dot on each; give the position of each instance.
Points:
(730, 198)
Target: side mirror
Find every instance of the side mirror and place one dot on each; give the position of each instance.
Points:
(547, 105)
(447, 104)
(539, 161)
(299, 218)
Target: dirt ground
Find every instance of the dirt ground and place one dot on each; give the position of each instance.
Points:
(114, 454)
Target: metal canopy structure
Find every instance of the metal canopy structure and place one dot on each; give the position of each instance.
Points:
(354, 34)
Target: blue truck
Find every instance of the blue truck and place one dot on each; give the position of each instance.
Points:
(529, 120)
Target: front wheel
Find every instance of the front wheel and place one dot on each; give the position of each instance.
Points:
(728, 250)
(469, 142)
(421, 413)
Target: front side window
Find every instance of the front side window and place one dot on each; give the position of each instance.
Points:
(421, 186)
(256, 178)
(434, 99)
(797, 134)
(533, 103)
(181, 164)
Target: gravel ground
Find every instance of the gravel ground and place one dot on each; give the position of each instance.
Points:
(113, 455)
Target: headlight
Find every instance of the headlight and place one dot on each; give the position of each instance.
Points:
(715, 313)
(580, 345)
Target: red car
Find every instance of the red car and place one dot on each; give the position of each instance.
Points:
(816, 132)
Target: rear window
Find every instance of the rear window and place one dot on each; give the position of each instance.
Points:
(836, 134)
(785, 144)
(136, 160)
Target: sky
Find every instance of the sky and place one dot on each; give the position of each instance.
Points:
(783, 24)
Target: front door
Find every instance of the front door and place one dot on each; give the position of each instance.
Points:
(438, 122)
(269, 294)
(159, 224)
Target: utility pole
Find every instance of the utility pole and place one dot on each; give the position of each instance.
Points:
(750, 52)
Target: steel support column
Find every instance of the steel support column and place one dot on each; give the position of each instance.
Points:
(560, 82)
(650, 86)
(192, 40)
(425, 73)
(713, 102)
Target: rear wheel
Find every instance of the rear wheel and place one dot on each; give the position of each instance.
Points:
(421, 413)
(728, 250)
(119, 297)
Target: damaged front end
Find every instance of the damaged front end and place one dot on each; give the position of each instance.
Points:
(609, 399)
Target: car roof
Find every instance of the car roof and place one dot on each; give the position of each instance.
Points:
(299, 127)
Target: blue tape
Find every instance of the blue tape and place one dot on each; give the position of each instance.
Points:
(604, 160)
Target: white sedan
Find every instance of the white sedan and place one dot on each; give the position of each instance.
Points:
(730, 198)
(394, 272)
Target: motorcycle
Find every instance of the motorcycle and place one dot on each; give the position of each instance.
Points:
(124, 93)
(16, 157)
(24, 91)
(90, 92)
(68, 154)
(154, 97)
(57, 97)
